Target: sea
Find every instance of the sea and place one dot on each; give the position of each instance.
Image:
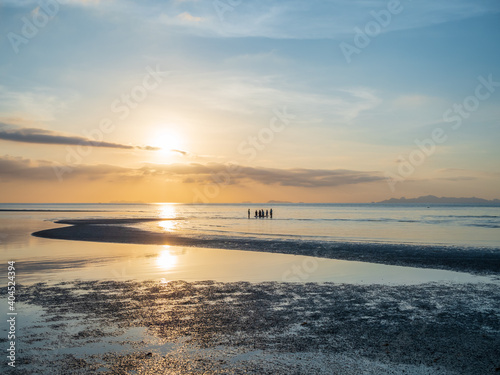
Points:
(414, 224)
(461, 225)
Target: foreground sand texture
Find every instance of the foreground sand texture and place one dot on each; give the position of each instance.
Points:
(113, 327)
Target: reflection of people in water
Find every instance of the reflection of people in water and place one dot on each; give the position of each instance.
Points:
(271, 213)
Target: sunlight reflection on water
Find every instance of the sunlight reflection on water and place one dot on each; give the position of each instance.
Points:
(166, 260)
(168, 225)
(49, 260)
(167, 211)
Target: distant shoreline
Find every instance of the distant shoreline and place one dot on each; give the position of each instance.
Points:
(106, 207)
(40, 210)
(432, 199)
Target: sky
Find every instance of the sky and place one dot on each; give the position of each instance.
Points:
(248, 101)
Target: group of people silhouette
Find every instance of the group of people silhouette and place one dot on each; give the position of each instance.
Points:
(262, 213)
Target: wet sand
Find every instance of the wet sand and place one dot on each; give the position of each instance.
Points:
(264, 328)
(207, 327)
(474, 260)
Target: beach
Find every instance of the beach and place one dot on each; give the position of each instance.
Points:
(121, 292)
(280, 328)
(478, 260)
(249, 187)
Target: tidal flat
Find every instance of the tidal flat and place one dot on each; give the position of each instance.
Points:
(209, 327)
(481, 261)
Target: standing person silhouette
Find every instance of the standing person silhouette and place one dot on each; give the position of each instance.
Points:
(271, 213)
(256, 214)
(267, 213)
(249, 213)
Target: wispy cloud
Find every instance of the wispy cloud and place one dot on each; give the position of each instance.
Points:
(460, 174)
(325, 19)
(39, 103)
(240, 175)
(246, 94)
(180, 152)
(12, 168)
(188, 17)
(48, 137)
(19, 168)
(279, 19)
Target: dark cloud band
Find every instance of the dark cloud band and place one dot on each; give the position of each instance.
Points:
(12, 168)
(41, 136)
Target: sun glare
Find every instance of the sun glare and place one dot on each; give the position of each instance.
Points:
(167, 211)
(166, 260)
(167, 225)
(168, 141)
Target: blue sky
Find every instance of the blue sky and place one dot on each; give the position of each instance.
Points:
(227, 76)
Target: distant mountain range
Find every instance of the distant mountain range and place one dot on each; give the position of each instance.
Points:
(432, 199)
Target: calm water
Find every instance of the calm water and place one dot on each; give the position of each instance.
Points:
(49, 260)
(416, 224)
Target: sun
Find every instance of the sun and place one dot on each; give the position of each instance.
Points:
(168, 140)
